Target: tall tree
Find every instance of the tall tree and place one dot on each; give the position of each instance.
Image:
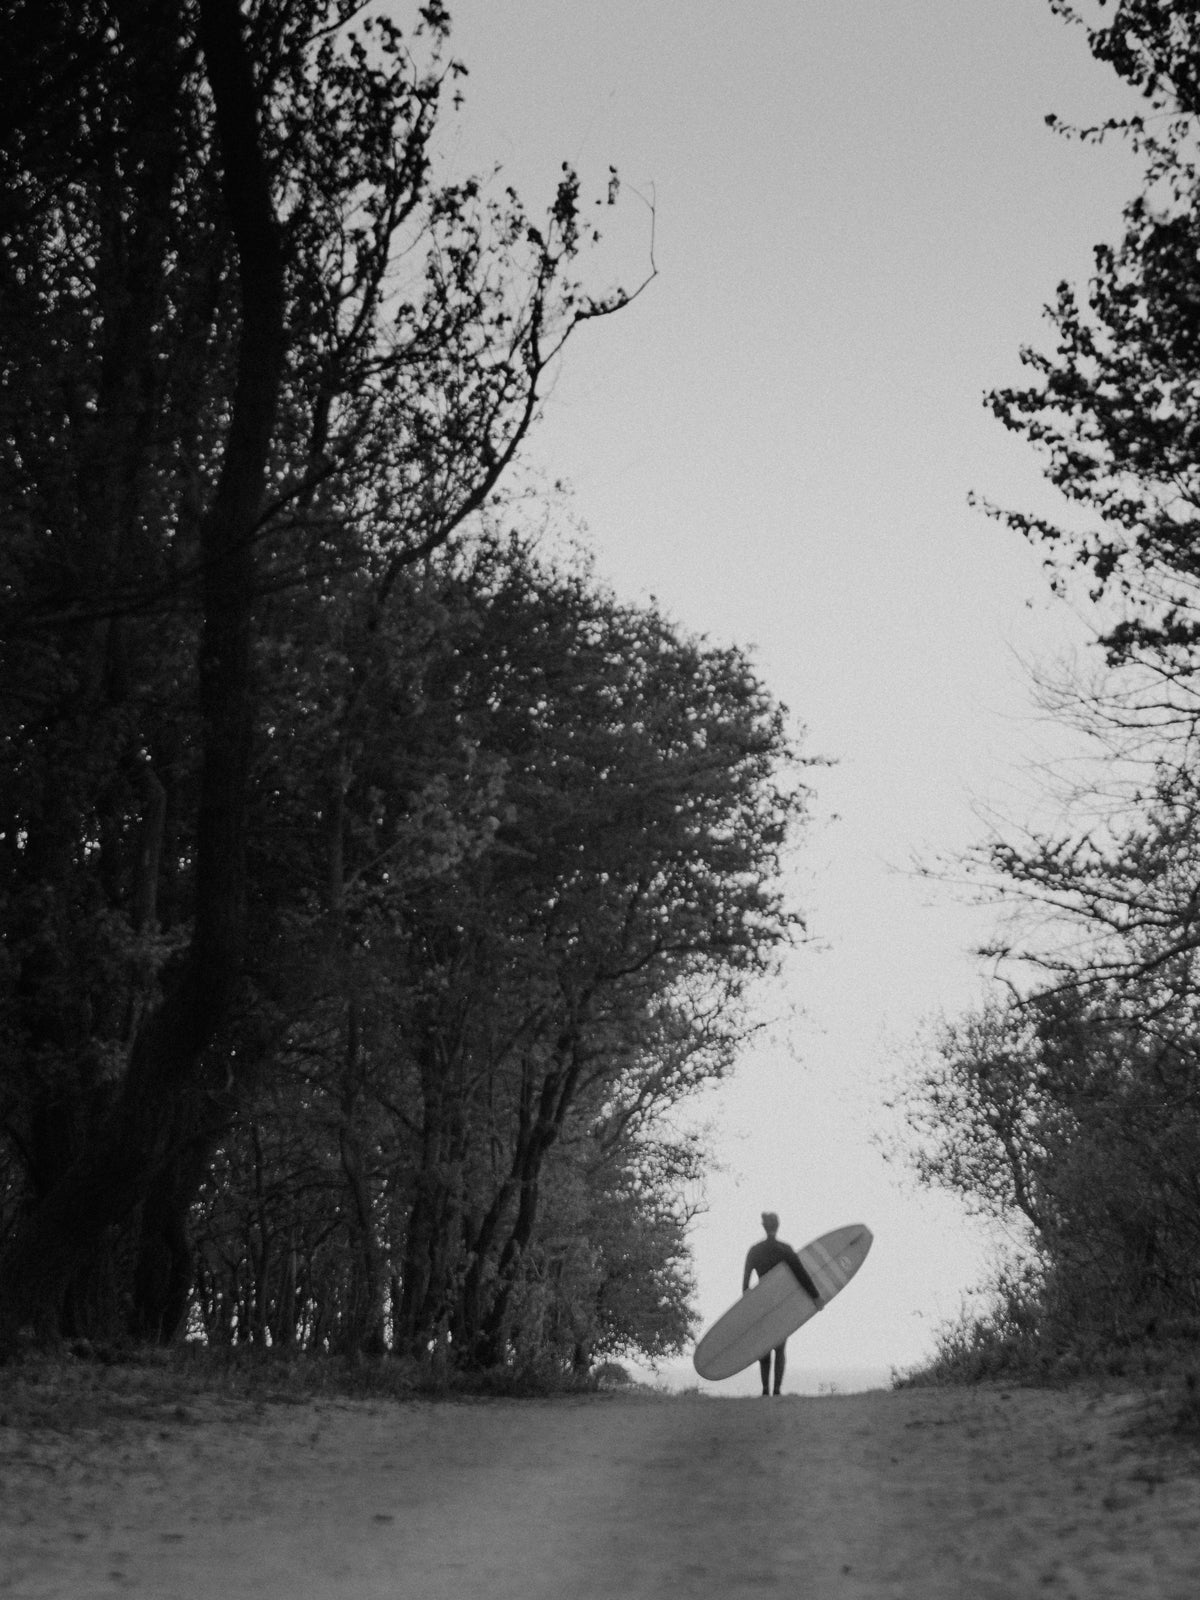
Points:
(250, 344)
(1075, 1103)
(1113, 409)
(1113, 406)
(626, 900)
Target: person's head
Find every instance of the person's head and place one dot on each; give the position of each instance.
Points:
(771, 1223)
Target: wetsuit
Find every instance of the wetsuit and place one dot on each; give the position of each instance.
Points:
(764, 1255)
(768, 1253)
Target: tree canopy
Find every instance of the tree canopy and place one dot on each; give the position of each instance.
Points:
(372, 882)
(1070, 1103)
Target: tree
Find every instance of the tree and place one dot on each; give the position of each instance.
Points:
(602, 892)
(608, 1272)
(625, 902)
(1073, 1103)
(106, 1179)
(559, 839)
(1113, 407)
(253, 348)
(1078, 1114)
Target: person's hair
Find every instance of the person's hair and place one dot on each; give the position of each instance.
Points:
(770, 1221)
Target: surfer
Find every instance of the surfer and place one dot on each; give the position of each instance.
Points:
(760, 1258)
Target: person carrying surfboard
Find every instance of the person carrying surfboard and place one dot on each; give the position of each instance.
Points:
(760, 1258)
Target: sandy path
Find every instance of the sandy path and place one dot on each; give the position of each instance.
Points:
(946, 1495)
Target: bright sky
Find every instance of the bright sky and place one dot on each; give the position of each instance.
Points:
(860, 214)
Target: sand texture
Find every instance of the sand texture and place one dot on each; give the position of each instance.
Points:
(992, 1494)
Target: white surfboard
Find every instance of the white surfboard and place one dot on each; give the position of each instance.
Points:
(777, 1305)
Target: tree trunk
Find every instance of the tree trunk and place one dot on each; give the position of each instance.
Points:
(432, 1240)
(163, 1274)
(540, 1127)
(363, 1325)
(175, 1077)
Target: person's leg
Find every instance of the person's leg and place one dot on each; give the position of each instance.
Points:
(764, 1366)
(780, 1363)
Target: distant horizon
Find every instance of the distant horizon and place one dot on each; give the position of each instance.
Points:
(680, 1375)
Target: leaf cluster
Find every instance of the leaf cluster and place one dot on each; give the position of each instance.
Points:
(1112, 405)
(1071, 1104)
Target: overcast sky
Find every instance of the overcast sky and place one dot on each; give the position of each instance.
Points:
(859, 215)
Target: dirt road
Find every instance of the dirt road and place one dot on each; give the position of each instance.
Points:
(938, 1495)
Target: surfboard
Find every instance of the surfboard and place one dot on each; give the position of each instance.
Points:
(777, 1305)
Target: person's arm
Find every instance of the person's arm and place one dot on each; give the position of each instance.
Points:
(801, 1275)
(746, 1276)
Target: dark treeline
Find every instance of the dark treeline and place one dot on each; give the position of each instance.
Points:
(1071, 1103)
(373, 882)
(524, 940)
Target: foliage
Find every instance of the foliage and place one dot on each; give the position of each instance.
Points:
(260, 363)
(1071, 1105)
(1112, 407)
(1082, 1117)
(1006, 1341)
(558, 830)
